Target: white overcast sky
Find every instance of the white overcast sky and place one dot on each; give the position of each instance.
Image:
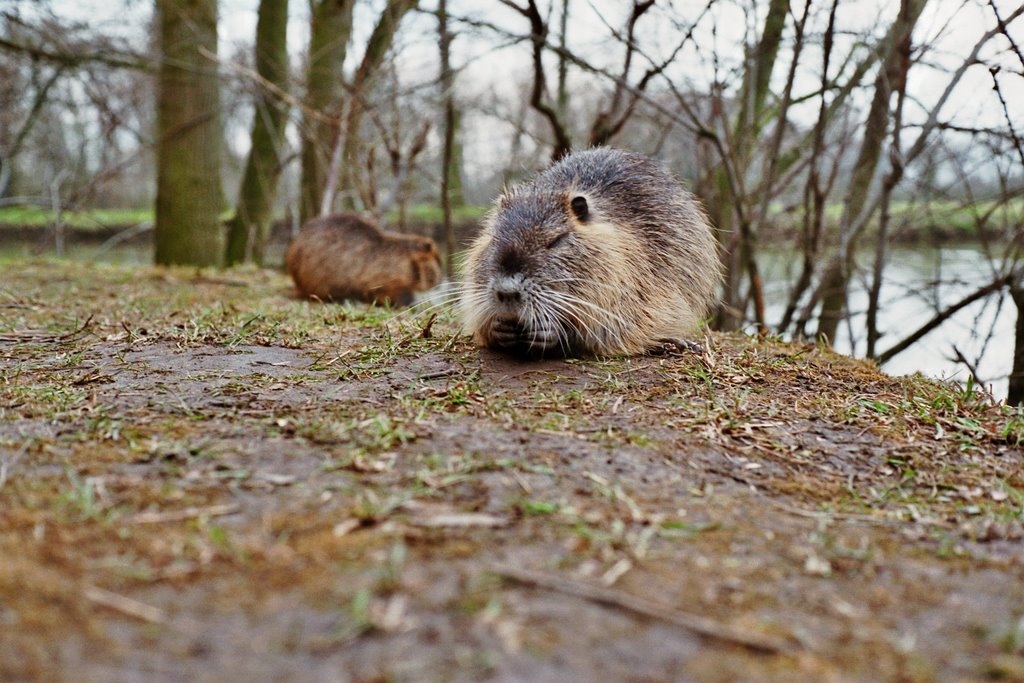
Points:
(957, 24)
(970, 18)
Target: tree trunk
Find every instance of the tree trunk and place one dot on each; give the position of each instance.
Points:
(894, 67)
(758, 76)
(189, 196)
(447, 84)
(376, 49)
(1016, 392)
(539, 30)
(5, 176)
(562, 100)
(882, 246)
(250, 226)
(455, 190)
(746, 130)
(330, 29)
(814, 193)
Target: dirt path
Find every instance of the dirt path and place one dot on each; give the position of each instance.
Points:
(210, 481)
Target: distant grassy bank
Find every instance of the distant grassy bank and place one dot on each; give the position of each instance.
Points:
(91, 219)
(911, 221)
(98, 219)
(30, 223)
(918, 221)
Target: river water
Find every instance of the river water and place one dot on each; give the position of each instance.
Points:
(910, 298)
(983, 332)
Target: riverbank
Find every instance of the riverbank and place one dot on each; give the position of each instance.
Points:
(918, 280)
(204, 478)
(133, 243)
(938, 223)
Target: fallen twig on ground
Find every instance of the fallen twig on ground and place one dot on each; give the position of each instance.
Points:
(703, 626)
(182, 515)
(856, 518)
(43, 335)
(125, 605)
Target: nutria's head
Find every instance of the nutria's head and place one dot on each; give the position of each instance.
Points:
(530, 285)
(426, 263)
(603, 253)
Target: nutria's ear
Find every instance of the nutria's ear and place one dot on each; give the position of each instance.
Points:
(580, 208)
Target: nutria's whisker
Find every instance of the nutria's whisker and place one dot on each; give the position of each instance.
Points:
(588, 282)
(436, 302)
(572, 299)
(559, 304)
(551, 320)
(533, 323)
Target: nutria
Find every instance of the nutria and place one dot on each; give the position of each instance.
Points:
(340, 257)
(603, 253)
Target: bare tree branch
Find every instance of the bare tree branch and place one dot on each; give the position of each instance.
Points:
(944, 315)
(76, 56)
(538, 40)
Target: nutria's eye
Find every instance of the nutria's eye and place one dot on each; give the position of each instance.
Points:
(558, 240)
(580, 208)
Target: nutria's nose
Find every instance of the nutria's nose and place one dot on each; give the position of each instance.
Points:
(508, 290)
(508, 297)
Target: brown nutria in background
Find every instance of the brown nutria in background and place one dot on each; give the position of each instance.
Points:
(340, 257)
(604, 253)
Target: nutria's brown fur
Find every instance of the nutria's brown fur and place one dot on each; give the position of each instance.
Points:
(346, 257)
(604, 253)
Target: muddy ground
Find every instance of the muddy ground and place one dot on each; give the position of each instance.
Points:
(204, 479)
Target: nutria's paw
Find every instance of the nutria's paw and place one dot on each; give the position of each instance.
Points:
(670, 346)
(510, 335)
(505, 332)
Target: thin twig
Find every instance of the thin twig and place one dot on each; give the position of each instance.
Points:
(182, 515)
(857, 518)
(42, 335)
(701, 625)
(942, 316)
(125, 605)
(440, 374)
(959, 357)
(227, 282)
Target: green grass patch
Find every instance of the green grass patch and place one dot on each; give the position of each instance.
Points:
(538, 507)
(432, 213)
(91, 219)
(921, 218)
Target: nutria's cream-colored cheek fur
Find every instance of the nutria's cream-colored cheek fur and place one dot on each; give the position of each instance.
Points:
(472, 308)
(599, 230)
